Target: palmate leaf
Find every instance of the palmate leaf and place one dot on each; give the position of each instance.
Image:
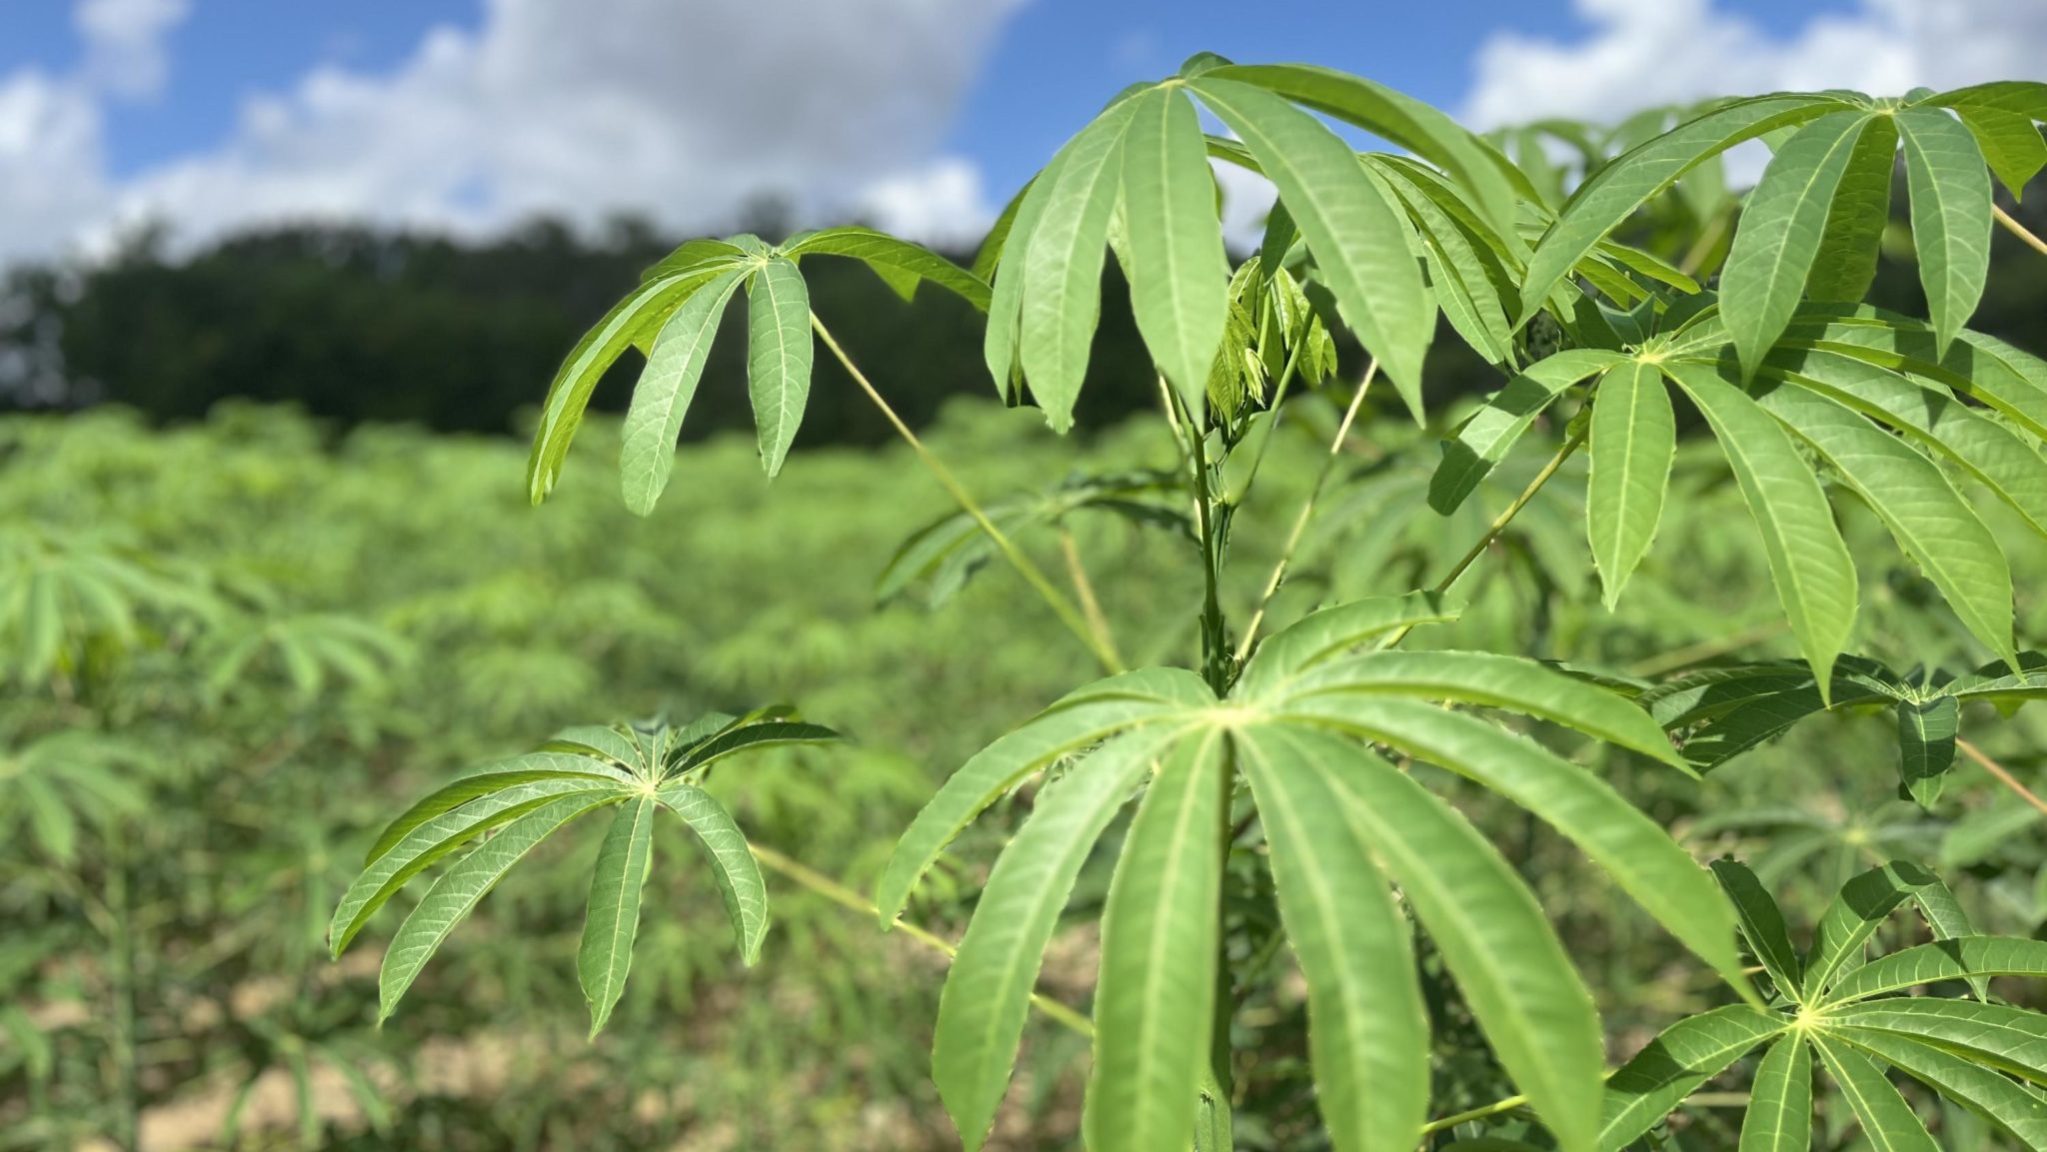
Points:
(1966, 1050)
(507, 809)
(1720, 713)
(673, 316)
(1296, 724)
(1179, 272)
(1950, 215)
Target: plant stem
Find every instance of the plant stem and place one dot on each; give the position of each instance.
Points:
(1307, 513)
(845, 897)
(1681, 658)
(1023, 564)
(1076, 570)
(1215, 648)
(2017, 229)
(2002, 773)
(1479, 1113)
(1499, 524)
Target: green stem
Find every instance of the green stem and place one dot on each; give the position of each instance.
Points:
(845, 897)
(1212, 1124)
(1499, 524)
(1032, 574)
(1307, 513)
(2019, 230)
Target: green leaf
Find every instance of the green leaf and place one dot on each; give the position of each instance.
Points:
(888, 256)
(497, 776)
(987, 992)
(1762, 924)
(1493, 430)
(749, 735)
(1950, 216)
(1888, 1122)
(1991, 453)
(2020, 1113)
(1846, 264)
(1155, 996)
(1062, 268)
(665, 389)
(428, 841)
(2008, 1038)
(613, 919)
(1957, 959)
(1329, 633)
(569, 395)
(1634, 441)
(2010, 143)
(1083, 717)
(1780, 1101)
(1675, 1064)
(1928, 518)
(732, 864)
(1367, 1032)
(1360, 242)
(1399, 119)
(456, 893)
(1494, 681)
(1809, 563)
(778, 354)
(1612, 194)
(1532, 1007)
(1781, 230)
(1179, 274)
(1628, 846)
(1926, 745)
(1853, 915)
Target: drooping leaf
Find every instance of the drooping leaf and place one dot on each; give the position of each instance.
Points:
(778, 356)
(1534, 1010)
(882, 252)
(737, 874)
(1926, 745)
(1180, 273)
(1950, 215)
(1809, 562)
(613, 920)
(1155, 997)
(1082, 717)
(1781, 230)
(1367, 1032)
(1633, 443)
(1612, 194)
(1928, 518)
(1359, 241)
(987, 991)
(1846, 264)
(456, 893)
(1062, 266)
(665, 389)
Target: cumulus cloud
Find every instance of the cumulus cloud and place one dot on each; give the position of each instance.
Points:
(125, 51)
(1639, 54)
(680, 112)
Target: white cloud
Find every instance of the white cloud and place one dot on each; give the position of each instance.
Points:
(681, 111)
(124, 42)
(1641, 53)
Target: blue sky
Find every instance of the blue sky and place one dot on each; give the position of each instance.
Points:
(472, 114)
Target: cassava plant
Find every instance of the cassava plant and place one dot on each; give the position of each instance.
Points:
(1293, 750)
